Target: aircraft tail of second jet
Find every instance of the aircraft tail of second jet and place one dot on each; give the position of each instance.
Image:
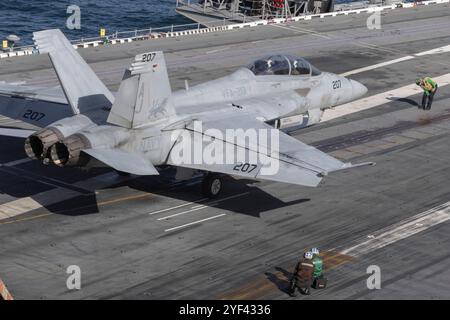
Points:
(144, 92)
(84, 91)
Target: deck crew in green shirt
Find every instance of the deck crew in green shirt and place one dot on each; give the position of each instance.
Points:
(429, 87)
(317, 262)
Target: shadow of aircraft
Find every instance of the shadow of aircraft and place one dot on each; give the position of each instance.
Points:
(253, 201)
(20, 178)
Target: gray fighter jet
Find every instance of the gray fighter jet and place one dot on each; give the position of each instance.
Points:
(232, 125)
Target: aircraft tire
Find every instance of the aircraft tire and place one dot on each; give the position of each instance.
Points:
(212, 185)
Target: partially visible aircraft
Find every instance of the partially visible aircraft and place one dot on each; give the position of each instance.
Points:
(138, 129)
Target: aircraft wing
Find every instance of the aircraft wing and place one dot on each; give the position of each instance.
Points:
(292, 161)
(34, 105)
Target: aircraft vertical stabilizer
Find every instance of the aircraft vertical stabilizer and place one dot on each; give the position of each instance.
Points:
(144, 92)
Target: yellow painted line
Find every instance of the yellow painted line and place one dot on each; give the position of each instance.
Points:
(17, 207)
(134, 197)
(4, 293)
(26, 219)
(103, 203)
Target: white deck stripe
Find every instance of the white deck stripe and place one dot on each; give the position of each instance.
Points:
(401, 230)
(176, 207)
(379, 99)
(195, 222)
(181, 213)
(443, 49)
(299, 30)
(378, 65)
(439, 50)
(17, 207)
(207, 205)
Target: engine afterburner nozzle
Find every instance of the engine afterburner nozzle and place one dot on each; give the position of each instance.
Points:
(37, 145)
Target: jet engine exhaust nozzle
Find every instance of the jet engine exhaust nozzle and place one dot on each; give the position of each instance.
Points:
(68, 151)
(37, 145)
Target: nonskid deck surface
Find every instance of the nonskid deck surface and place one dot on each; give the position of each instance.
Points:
(145, 239)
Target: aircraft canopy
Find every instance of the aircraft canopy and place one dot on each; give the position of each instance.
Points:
(283, 65)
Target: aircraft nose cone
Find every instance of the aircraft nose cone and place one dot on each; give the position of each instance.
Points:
(358, 89)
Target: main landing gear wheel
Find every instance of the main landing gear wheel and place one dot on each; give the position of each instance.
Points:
(212, 185)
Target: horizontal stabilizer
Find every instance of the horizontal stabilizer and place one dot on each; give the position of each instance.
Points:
(120, 160)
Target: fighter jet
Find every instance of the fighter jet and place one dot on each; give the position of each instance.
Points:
(145, 126)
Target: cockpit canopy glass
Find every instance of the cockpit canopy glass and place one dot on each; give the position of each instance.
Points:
(283, 65)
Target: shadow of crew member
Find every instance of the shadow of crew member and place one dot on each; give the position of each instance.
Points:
(303, 276)
(429, 87)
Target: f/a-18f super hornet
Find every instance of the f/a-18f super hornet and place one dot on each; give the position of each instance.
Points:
(140, 128)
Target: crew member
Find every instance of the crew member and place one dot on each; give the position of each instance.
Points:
(318, 263)
(303, 275)
(429, 87)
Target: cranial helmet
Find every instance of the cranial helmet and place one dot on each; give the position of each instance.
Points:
(308, 255)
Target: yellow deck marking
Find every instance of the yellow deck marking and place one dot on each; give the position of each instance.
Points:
(17, 207)
(4, 293)
(103, 203)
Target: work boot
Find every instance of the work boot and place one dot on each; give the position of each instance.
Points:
(291, 289)
(305, 291)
